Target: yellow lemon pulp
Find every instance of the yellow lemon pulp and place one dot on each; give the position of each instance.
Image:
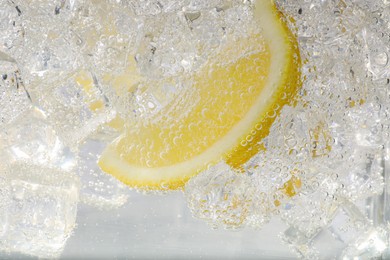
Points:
(233, 100)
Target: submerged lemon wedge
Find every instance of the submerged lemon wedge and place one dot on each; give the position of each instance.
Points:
(234, 99)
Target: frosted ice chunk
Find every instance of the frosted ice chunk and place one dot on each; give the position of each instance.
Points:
(38, 208)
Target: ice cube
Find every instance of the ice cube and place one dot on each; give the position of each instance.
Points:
(14, 97)
(75, 107)
(11, 28)
(220, 196)
(274, 180)
(369, 245)
(48, 48)
(98, 188)
(300, 243)
(314, 207)
(361, 177)
(204, 27)
(105, 39)
(38, 209)
(365, 122)
(30, 137)
(159, 53)
(349, 222)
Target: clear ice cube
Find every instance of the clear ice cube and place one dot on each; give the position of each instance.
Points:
(30, 137)
(47, 49)
(220, 196)
(75, 107)
(300, 243)
(368, 245)
(314, 207)
(38, 209)
(349, 222)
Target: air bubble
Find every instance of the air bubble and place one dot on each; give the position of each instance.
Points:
(271, 114)
(381, 59)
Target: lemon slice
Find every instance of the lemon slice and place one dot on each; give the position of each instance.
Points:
(234, 99)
